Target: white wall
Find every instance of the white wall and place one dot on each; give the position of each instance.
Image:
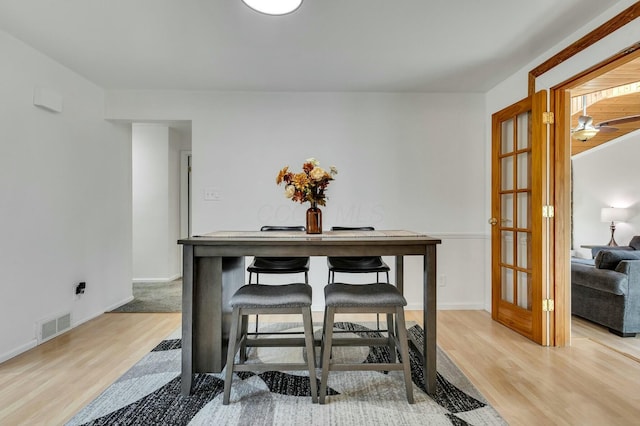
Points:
(156, 202)
(405, 161)
(604, 177)
(65, 186)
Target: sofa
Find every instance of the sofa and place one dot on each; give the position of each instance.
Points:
(606, 289)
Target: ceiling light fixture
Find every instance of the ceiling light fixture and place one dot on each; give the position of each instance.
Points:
(273, 7)
(584, 135)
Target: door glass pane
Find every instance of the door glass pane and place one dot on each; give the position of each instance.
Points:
(523, 131)
(507, 247)
(524, 290)
(507, 137)
(524, 178)
(524, 199)
(506, 216)
(507, 173)
(507, 285)
(524, 249)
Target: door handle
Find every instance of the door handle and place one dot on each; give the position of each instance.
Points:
(493, 221)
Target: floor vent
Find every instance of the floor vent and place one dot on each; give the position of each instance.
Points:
(53, 327)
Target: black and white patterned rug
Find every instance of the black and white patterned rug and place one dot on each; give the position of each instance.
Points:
(149, 393)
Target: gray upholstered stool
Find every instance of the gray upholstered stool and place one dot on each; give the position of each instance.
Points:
(255, 299)
(365, 298)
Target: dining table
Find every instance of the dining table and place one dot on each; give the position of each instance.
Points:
(214, 268)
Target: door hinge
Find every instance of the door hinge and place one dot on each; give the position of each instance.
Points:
(547, 117)
(548, 211)
(547, 305)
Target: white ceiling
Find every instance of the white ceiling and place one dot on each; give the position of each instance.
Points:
(327, 45)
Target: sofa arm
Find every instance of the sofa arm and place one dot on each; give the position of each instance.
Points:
(631, 268)
(632, 308)
(596, 249)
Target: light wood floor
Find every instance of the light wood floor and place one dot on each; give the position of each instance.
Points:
(596, 381)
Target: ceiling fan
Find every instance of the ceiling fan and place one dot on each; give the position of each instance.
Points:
(585, 129)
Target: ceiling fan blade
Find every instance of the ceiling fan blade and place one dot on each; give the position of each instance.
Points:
(621, 120)
(607, 129)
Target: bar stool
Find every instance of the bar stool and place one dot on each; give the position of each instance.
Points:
(357, 264)
(253, 299)
(279, 265)
(365, 298)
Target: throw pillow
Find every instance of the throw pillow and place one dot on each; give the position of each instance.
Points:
(635, 242)
(609, 259)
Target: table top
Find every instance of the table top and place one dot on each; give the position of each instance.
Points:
(276, 237)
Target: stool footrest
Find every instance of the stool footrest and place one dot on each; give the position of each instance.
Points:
(271, 367)
(358, 341)
(276, 333)
(366, 367)
(284, 342)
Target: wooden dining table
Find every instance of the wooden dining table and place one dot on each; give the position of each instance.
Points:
(214, 268)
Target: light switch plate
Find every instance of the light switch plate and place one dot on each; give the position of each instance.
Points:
(212, 194)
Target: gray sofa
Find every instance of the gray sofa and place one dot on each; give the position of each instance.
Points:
(606, 289)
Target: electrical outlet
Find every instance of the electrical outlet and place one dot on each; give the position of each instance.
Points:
(80, 288)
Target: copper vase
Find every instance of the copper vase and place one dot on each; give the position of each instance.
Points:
(314, 220)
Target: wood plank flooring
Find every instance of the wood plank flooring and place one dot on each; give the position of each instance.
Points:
(50, 383)
(588, 383)
(596, 381)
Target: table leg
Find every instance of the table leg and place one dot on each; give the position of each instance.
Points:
(429, 318)
(187, 319)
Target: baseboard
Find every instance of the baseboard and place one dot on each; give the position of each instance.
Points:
(118, 304)
(157, 280)
(17, 351)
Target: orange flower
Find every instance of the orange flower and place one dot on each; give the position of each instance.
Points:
(281, 175)
(309, 185)
(300, 180)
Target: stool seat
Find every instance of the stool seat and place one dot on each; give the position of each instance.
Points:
(273, 296)
(254, 299)
(353, 295)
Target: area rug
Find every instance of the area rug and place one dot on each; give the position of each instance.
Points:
(154, 298)
(149, 393)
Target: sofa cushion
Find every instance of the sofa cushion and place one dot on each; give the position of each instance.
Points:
(635, 242)
(599, 279)
(609, 259)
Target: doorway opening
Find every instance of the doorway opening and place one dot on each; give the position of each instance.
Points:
(620, 72)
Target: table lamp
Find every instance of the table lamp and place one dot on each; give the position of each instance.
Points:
(613, 215)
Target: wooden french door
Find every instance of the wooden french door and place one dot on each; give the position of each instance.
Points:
(518, 236)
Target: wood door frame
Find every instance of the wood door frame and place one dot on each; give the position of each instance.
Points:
(560, 167)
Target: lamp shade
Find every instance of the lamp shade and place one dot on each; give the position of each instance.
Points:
(613, 214)
(273, 7)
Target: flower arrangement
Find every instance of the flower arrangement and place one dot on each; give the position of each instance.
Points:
(308, 185)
